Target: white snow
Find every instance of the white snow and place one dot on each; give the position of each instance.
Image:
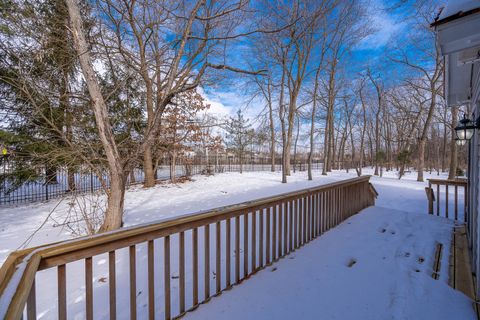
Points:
(313, 282)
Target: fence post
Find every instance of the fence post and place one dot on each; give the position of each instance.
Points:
(91, 181)
(46, 183)
(430, 198)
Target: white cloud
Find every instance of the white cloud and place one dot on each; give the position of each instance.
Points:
(217, 108)
(385, 26)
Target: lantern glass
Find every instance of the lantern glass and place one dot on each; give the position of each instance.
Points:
(460, 142)
(460, 132)
(469, 132)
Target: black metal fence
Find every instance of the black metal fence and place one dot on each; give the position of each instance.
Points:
(49, 183)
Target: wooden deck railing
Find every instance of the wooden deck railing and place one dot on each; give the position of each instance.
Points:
(441, 192)
(246, 238)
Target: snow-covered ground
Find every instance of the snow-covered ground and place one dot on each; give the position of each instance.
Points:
(392, 250)
(166, 200)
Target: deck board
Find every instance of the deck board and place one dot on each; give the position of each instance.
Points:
(461, 276)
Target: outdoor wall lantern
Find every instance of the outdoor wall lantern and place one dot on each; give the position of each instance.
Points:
(465, 129)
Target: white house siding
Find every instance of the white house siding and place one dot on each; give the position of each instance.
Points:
(474, 180)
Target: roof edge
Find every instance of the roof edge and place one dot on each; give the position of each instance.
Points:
(455, 16)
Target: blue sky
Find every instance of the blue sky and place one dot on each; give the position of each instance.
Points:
(391, 26)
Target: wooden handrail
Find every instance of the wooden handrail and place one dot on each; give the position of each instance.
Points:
(452, 182)
(18, 272)
(459, 183)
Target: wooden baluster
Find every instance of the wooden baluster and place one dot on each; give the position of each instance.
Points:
(112, 285)
(319, 212)
(206, 274)
(62, 292)
(465, 203)
(280, 209)
(245, 245)
(337, 207)
(321, 196)
(295, 230)
(254, 240)
(89, 288)
(456, 202)
(331, 213)
(133, 282)
(446, 200)
(227, 253)
(32, 303)
(290, 226)
(438, 200)
(430, 198)
(328, 211)
(312, 215)
(195, 266)
(341, 203)
(322, 212)
(285, 228)
(237, 249)
(166, 278)
(218, 257)
(260, 219)
(274, 233)
(300, 221)
(309, 218)
(268, 242)
(305, 220)
(151, 281)
(181, 267)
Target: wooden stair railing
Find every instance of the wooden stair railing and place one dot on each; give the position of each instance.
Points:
(269, 229)
(435, 193)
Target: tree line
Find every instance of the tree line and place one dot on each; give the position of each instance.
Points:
(114, 85)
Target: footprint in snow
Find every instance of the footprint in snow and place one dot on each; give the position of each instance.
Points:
(351, 263)
(421, 259)
(407, 254)
(382, 230)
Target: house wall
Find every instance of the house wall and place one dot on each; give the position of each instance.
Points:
(474, 182)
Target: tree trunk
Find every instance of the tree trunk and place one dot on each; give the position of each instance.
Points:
(282, 122)
(133, 180)
(312, 130)
(325, 145)
(115, 195)
(71, 179)
(423, 138)
(149, 172)
(241, 162)
(115, 199)
(421, 159)
(50, 174)
(272, 131)
(173, 165)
